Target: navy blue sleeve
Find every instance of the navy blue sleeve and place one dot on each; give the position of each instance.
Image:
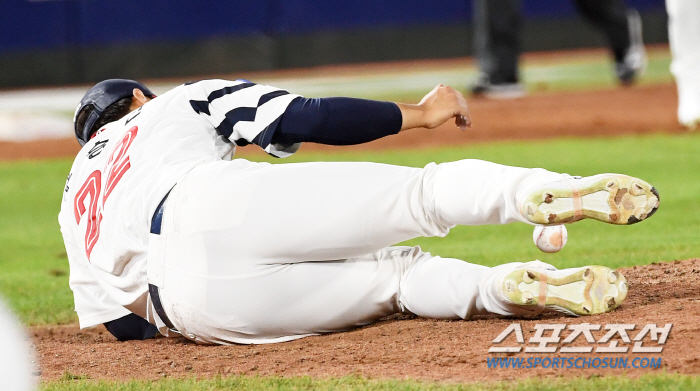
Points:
(337, 121)
(131, 327)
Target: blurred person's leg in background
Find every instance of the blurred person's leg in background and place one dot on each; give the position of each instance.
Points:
(498, 25)
(684, 39)
(622, 28)
(16, 354)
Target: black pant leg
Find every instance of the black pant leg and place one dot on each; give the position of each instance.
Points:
(497, 39)
(610, 16)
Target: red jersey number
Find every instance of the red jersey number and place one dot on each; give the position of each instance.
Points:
(117, 165)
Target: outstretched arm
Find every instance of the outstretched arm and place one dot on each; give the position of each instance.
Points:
(439, 106)
(277, 121)
(347, 121)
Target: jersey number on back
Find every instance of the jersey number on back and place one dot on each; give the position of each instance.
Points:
(117, 165)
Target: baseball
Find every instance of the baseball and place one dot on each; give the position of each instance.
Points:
(550, 239)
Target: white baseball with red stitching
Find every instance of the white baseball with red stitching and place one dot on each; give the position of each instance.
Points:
(550, 239)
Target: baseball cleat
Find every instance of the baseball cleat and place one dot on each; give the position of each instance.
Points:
(587, 290)
(506, 90)
(634, 63)
(610, 198)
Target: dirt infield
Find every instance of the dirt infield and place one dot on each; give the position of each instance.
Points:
(407, 347)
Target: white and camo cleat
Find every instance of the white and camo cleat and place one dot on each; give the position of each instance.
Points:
(610, 198)
(587, 290)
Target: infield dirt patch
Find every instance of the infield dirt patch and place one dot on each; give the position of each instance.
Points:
(397, 347)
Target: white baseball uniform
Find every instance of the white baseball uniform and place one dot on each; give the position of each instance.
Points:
(259, 253)
(684, 39)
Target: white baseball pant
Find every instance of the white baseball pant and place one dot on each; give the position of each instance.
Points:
(262, 253)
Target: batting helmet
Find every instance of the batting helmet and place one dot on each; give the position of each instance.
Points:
(101, 96)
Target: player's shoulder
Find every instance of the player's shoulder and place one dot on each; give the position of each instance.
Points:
(213, 85)
(216, 82)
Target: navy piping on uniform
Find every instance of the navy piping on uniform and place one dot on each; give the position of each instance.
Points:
(247, 114)
(201, 106)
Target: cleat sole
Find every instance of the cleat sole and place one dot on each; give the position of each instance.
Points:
(588, 290)
(610, 198)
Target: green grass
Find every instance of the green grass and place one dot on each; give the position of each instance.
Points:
(33, 262)
(589, 72)
(34, 268)
(643, 383)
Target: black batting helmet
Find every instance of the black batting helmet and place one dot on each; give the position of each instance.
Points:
(101, 96)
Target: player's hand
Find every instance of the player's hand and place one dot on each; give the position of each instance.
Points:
(437, 107)
(442, 104)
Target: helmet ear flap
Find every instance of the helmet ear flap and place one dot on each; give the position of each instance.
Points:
(84, 121)
(89, 123)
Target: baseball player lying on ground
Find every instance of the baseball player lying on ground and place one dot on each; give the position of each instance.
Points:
(163, 228)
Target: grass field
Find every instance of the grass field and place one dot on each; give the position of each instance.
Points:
(644, 383)
(34, 269)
